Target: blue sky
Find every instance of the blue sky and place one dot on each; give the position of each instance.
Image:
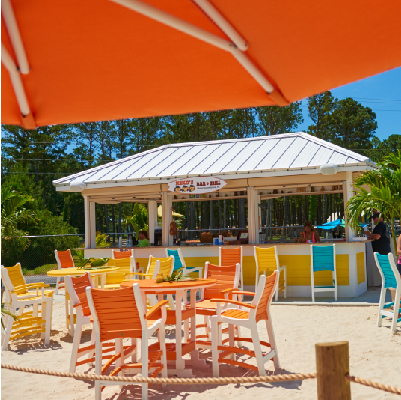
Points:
(382, 93)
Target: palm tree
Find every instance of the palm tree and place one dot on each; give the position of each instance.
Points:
(383, 193)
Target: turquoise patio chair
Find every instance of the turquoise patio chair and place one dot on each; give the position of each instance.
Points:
(390, 279)
(323, 258)
(179, 262)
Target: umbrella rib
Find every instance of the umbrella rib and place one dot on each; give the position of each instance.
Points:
(235, 47)
(16, 81)
(215, 15)
(15, 36)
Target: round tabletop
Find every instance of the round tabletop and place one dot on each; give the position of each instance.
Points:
(74, 271)
(150, 285)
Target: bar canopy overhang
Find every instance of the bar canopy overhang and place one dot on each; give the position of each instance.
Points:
(255, 168)
(283, 155)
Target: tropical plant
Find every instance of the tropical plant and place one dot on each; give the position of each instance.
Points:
(139, 218)
(86, 263)
(5, 311)
(383, 193)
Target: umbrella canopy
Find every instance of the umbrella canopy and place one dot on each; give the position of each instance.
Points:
(335, 223)
(70, 61)
(160, 213)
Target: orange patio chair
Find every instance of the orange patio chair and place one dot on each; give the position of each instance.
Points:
(228, 256)
(64, 260)
(76, 288)
(119, 314)
(257, 311)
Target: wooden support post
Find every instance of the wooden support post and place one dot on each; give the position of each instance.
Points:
(332, 364)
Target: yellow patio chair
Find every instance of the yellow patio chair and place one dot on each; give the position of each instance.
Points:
(258, 310)
(119, 314)
(29, 322)
(126, 268)
(22, 289)
(266, 260)
(164, 266)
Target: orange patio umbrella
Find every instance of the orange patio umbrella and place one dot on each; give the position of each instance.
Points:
(68, 61)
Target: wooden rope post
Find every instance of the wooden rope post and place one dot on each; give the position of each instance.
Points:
(332, 364)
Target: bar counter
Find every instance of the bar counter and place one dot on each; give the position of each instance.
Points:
(350, 264)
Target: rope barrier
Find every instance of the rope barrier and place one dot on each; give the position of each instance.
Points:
(200, 381)
(182, 381)
(376, 385)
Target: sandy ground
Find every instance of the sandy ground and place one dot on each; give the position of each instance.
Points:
(375, 353)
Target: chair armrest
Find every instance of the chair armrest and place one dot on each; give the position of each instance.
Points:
(238, 303)
(36, 285)
(244, 293)
(141, 274)
(155, 309)
(228, 290)
(281, 267)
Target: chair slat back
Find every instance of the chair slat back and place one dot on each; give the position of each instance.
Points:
(323, 258)
(65, 259)
(262, 310)
(266, 259)
(165, 266)
(124, 265)
(16, 277)
(230, 256)
(227, 277)
(177, 259)
(122, 254)
(383, 263)
(117, 313)
(80, 284)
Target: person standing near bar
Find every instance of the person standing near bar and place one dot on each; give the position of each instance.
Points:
(381, 242)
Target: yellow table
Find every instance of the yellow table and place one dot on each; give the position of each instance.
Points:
(74, 271)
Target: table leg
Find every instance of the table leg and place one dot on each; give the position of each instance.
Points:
(102, 280)
(180, 363)
(195, 360)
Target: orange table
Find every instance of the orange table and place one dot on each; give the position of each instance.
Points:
(180, 315)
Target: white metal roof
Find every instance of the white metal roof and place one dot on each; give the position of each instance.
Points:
(284, 154)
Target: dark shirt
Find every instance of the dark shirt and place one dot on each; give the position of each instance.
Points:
(381, 245)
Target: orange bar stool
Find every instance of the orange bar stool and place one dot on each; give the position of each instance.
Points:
(119, 314)
(64, 260)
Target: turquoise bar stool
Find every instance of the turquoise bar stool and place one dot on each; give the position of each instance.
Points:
(390, 279)
(179, 262)
(323, 258)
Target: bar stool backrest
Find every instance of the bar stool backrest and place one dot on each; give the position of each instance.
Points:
(77, 289)
(323, 258)
(64, 259)
(165, 268)
(265, 291)
(122, 254)
(266, 258)
(118, 314)
(178, 261)
(230, 256)
(227, 277)
(388, 273)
